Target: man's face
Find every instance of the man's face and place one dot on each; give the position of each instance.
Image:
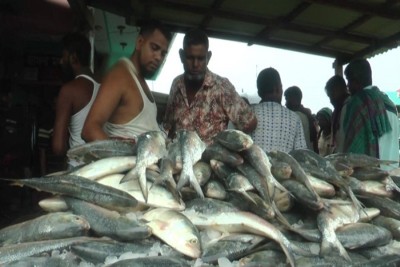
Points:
(352, 85)
(337, 95)
(195, 59)
(153, 50)
(66, 67)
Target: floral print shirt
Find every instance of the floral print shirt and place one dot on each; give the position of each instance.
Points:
(214, 105)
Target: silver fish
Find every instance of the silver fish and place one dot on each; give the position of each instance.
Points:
(82, 188)
(232, 247)
(257, 158)
(43, 261)
(281, 170)
(369, 187)
(297, 172)
(53, 204)
(218, 152)
(369, 173)
(175, 154)
(302, 194)
(214, 189)
(388, 207)
(185, 237)
(234, 140)
(192, 148)
(393, 248)
(202, 171)
(357, 160)
(158, 195)
(391, 224)
(220, 169)
(108, 223)
(151, 148)
(329, 220)
(18, 251)
(353, 235)
(323, 188)
(264, 258)
(101, 149)
(152, 261)
(55, 225)
(106, 166)
(242, 222)
(322, 168)
(98, 250)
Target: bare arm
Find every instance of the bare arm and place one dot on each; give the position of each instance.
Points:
(106, 102)
(251, 126)
(63, 117)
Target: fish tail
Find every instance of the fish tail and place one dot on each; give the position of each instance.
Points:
(196, 186)
(280, 216)
(288, 252)
(391, 185)
(359, 206)
(246, 195)
(183, 180)
(143, 184)
(131, 175)
(327, 248)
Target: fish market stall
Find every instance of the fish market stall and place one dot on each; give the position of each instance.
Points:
(179, 202)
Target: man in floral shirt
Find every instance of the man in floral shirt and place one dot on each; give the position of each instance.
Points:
(202, 101)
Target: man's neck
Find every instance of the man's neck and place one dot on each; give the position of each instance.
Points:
(84, 71)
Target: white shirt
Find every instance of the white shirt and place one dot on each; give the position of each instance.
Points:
(278, 128)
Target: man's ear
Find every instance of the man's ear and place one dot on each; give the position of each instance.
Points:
(209, 54)
(139, 42)
(182, 55)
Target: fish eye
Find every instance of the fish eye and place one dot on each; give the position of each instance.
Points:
(193, 241)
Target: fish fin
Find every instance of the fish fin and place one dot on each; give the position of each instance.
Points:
(131, 175)
(183, 180)
(279, 216)
(196, 186)
(143, 184)
(357, 203)
(328, 248)
(288, 253)
(246, 195)
(391, 185)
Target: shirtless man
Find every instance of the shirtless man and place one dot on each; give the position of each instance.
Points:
(125, 107)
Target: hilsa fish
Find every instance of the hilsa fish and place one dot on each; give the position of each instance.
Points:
(82, 188)
(192, 148)
(185, 237)
(151, 147)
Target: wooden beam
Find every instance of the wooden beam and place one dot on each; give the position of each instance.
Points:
(209, 16)
(280, 22)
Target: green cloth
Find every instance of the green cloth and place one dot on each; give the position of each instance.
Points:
(366, 120)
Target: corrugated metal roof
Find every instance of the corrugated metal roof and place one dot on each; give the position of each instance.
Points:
(341, 29)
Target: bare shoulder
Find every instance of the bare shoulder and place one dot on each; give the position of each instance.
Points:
(116, 78)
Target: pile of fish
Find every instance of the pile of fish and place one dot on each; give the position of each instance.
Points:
(180, 202)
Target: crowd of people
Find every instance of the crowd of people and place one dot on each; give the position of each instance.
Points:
(363, 119)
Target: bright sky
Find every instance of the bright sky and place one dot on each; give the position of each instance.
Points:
(241, 64)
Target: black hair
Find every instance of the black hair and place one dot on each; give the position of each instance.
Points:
(79, 44)
(294, 91)
(334, 82)
(267, 80)
(359, 70)
(195, 37)
(147, 27)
